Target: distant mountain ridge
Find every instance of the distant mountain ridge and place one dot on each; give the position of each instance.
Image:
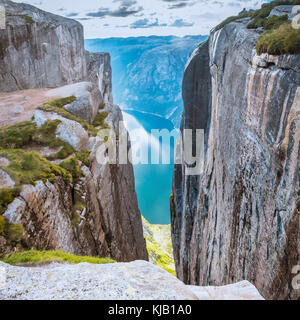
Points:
(147, 71)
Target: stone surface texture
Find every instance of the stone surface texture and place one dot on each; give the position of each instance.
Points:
(138, 280)
(239, 220)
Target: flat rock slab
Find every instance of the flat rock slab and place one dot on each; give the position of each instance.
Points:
(129, 281)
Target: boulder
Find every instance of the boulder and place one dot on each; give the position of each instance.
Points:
(86, 105)
(69, 131)
(138, 280)
(56, 59)
(88, 99)
(283, 10)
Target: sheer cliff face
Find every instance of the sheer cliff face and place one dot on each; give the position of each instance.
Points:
(97, 213)
(39, 49)
(245, 224)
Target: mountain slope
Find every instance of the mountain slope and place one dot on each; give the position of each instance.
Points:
(147, 71)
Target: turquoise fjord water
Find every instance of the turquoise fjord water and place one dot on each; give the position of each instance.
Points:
(153, 182)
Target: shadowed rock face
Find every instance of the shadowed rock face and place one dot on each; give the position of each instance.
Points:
(245, 224)
(196, 90)
(39, 49)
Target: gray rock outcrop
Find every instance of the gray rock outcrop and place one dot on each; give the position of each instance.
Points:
(68, 131)
(53, 47)
(86, 105)
(139, 280)
(239, 220)
(99, 72)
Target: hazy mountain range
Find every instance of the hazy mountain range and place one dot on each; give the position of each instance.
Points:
(147, 71)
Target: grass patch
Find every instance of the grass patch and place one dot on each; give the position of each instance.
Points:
(27, 133)
(33, 257)
(161, 258)
(83, 156)
(2, 225)
(261, 14)
(26, 167)
(79, 206)
(273, 22)
(57, 105)
(72, 166)
(13, 232)
(99, 120)
(28, 19)
(102, 106)
(284, 40)
(232, 19)
(159, 246)
(7, 196)
(279, 36)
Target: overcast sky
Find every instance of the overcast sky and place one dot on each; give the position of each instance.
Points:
(127, 18)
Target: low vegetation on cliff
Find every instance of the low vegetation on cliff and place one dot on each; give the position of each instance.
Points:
(34, 257)
(99, 120)
(26, 167)
(159, 245)
(20, 145)
(57, 105)
(284, 40)
(26, 134)
(279, 36)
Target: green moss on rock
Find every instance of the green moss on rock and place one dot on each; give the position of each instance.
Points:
(27, 18)
(83, 156)
(99, 120)
(28, 166)
(78, 207)
(159, 245)
(14, 232)
(7, 196)
(57, 105)
(284, 40)
(232, 19)
(279, 37)
(72, 166)
(2, 225)
(27, 133)
(102, 106)
(34, 257)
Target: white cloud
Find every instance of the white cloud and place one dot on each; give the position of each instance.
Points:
(102, 19)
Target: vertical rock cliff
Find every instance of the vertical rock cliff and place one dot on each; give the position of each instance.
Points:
(73, 203)
(39, 49)
(240, 218)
